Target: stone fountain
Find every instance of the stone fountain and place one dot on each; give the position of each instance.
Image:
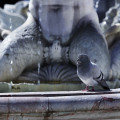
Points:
(43, 50)
(51, 39)
(45, 47)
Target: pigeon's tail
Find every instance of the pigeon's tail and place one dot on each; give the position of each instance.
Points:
(104, 84)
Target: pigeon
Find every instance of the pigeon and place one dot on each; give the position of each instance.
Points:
(89, 73)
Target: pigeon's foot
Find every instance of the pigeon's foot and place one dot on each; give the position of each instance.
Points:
(86, 89)
(92, 89)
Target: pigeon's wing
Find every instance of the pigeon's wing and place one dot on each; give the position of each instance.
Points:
(99, 77)
(103, 84)
(96, 73)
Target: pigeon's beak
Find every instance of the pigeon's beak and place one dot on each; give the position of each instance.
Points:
(78, 62)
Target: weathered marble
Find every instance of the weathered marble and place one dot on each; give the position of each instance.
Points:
(111, 26)
(21, 8)
(10, 21)
(56, 31)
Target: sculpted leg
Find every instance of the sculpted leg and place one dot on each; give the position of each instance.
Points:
(21, 50)
(88, 40)
(115, 60)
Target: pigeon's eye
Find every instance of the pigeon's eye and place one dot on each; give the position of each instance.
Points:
(79, 62)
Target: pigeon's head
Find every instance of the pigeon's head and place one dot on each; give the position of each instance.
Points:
(83, 60)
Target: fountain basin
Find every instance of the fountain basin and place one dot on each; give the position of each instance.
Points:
(66, 104)
(60, 105)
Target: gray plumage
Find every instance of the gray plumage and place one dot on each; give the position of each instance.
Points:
(89, 73)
